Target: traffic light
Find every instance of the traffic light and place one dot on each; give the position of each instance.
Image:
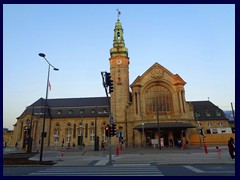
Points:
(113, 130)
(201, 131)
(111, 86)
(107, 78)
(183, 133)
(107, 130)
(109, 82)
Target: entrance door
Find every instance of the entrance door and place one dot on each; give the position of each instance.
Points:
(149, 136)
(80, 140)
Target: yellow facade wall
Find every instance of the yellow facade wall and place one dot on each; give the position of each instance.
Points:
(211, 139)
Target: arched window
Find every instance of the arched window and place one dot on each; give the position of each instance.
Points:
(158, 98)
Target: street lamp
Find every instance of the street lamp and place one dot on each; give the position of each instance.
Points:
(45, 108)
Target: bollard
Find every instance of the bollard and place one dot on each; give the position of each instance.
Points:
(205, 148)
(184, 145)
(62, 152)
(117, 151)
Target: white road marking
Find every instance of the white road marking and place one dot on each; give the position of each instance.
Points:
(196, 170)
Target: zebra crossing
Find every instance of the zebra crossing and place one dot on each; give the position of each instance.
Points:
(118, 170)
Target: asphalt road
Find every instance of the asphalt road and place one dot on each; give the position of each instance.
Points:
(123, 170)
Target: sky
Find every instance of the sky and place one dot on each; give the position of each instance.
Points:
(197, 42)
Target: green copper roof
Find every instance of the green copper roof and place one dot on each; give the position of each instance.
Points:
(119, 48)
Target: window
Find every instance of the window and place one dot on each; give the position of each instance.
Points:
(81, 124)
(118, 35)
(70, 111)
(105, 111)
(69, 136)
(208, 131)
(209, 124)
(197, 114)
(56, 136)
(207, 113)
(86, 130)
(59, 112)
(158, 98)
(214, 131)
(218, 113)
(93, 111)
(81, 111)
(220, 123)
(104, 123)
(92, 135)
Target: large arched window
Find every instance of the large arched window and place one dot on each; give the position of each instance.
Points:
(158, 98)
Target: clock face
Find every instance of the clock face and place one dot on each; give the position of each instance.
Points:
(119, 61)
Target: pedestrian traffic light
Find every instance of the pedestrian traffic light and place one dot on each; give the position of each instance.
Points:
(113, 130)
(107, 130)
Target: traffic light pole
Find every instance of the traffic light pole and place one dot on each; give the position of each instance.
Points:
(109, 137)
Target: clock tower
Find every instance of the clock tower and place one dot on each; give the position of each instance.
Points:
(119, 69)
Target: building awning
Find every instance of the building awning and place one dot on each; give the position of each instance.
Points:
(165, 125)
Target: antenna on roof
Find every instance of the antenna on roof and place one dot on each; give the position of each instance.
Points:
(208, 99)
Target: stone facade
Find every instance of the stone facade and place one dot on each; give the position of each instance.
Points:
(152, 107)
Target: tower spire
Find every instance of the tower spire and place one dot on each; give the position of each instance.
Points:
(119, 48)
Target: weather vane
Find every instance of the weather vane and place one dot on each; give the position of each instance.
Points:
(118, 13)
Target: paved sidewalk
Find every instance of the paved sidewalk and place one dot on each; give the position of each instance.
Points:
(137, 156)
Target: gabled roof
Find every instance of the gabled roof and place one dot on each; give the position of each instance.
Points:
(162, 70)
(206, 110)
(61, 107)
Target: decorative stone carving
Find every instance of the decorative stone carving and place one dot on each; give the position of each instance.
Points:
(157, 73)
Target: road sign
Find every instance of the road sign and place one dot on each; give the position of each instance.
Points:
(111, 120)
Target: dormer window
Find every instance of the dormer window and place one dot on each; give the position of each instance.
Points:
(105, 111)
(197, 114)
(207, 113)
(59, 112)
(218, 113)
(81, 111)
(70, 111)
(93, 111)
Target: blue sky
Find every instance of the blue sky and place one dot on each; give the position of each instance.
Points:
(195, 41)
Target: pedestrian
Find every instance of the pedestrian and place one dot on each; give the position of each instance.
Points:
(16, 144)
(219, 152)
(171, 142)
(103, 146)
(187, 144)
(179, 143)
(231, 148)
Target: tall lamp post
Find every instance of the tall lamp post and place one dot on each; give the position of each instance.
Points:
(45, 108)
